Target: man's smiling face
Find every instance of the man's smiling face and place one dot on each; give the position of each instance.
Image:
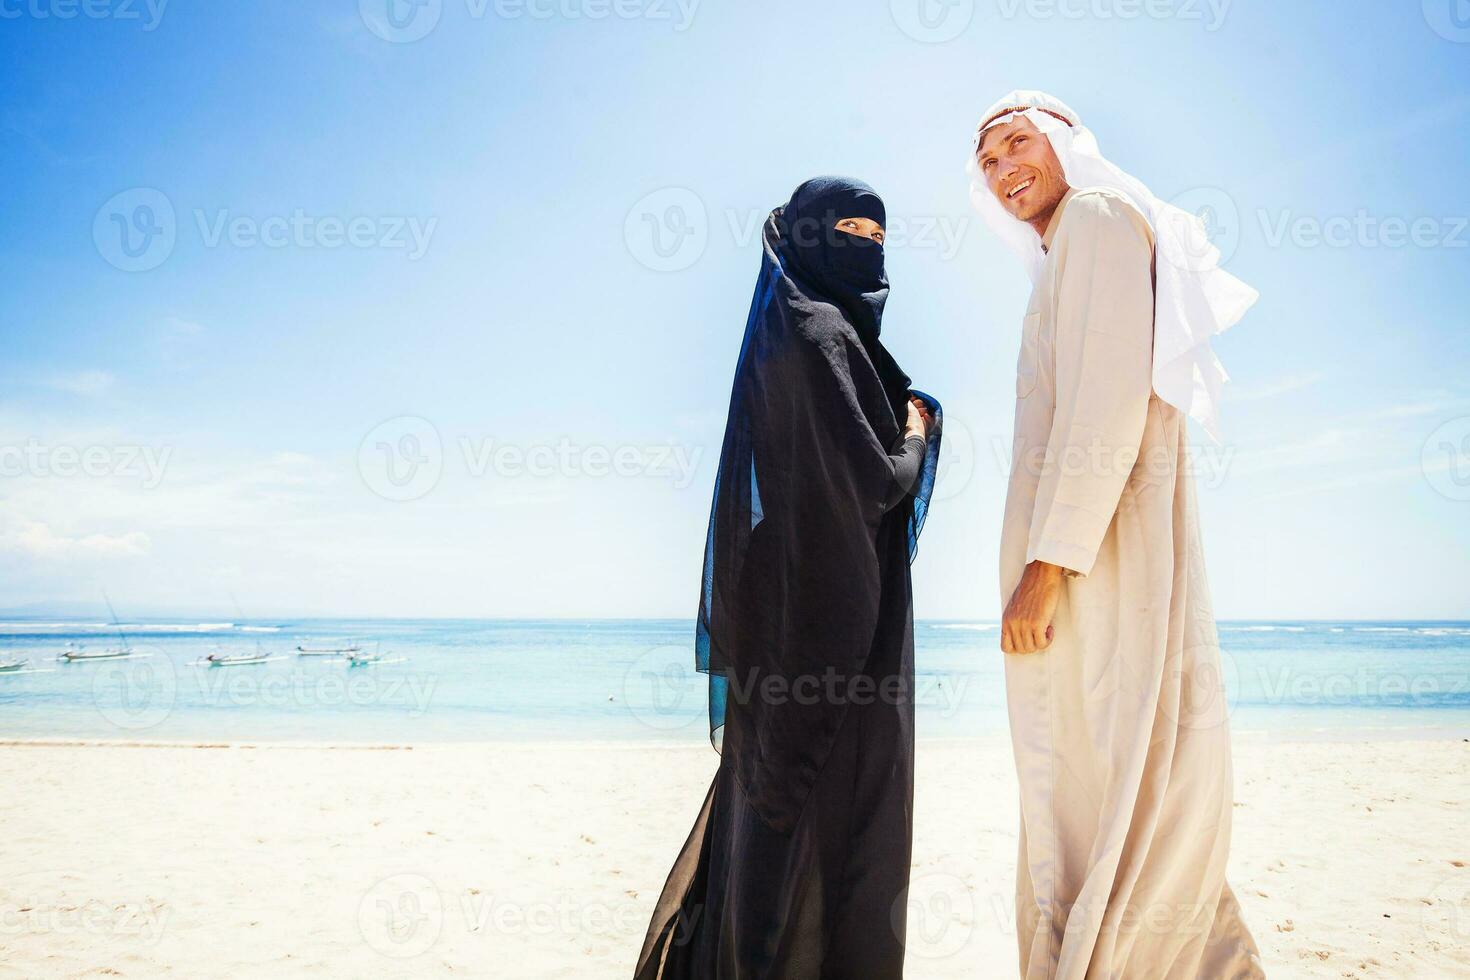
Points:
(1022, 171)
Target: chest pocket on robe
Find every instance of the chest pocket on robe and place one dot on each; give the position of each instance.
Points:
(1029, 361)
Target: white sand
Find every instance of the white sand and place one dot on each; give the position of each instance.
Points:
(539, 861)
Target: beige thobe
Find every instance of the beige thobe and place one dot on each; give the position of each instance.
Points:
(1119, 727)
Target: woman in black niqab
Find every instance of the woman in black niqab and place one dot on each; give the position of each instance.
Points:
(798, 862)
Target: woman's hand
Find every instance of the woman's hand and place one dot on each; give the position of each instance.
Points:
(919, 419)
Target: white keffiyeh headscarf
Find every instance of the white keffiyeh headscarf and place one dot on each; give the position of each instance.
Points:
(1195, 299)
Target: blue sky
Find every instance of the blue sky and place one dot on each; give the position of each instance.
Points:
(445, 326)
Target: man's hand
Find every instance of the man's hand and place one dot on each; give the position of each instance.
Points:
(1026, 625)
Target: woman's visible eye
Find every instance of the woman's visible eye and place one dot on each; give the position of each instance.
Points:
(987, 164)
(1018, 140)
(878, 237)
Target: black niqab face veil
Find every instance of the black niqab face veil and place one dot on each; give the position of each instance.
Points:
(795, 560)
(844, 268)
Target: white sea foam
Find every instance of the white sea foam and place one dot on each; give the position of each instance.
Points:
(140, 629)
(1262, 629)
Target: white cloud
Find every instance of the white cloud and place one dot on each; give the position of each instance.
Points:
(88, 384)
(40, 541)
(1271, 389)
(1373, 441)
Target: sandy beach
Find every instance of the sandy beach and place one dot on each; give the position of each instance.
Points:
(543, 860)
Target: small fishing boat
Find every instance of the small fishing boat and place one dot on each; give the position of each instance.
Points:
(368, 659)
(236, 659)
(73, 655)
(326, 651)
(11, 666)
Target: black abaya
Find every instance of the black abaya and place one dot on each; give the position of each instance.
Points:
(797, 865)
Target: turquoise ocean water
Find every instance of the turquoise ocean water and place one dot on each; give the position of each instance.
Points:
(471, 680)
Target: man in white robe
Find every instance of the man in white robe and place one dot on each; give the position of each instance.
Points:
(1117, 715)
